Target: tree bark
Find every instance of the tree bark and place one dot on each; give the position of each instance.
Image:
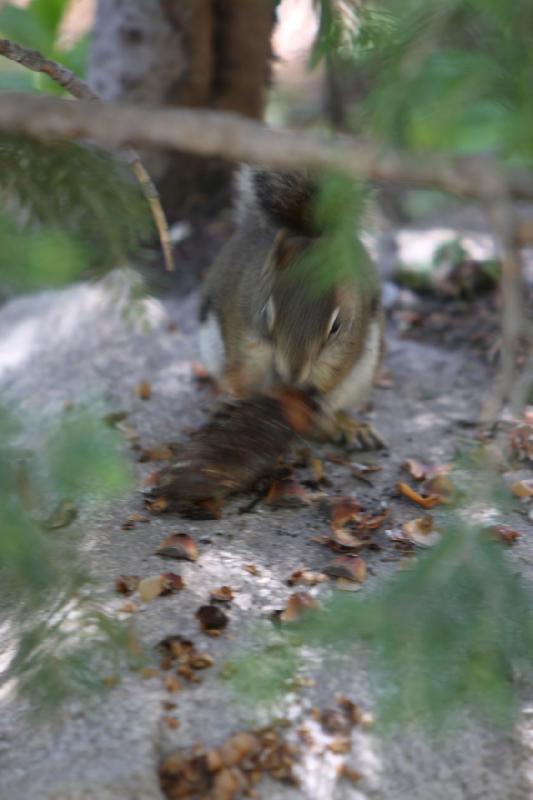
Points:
(190, 53)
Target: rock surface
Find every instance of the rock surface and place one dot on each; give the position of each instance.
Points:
(79, 345)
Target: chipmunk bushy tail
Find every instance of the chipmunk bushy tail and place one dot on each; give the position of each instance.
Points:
(277, 199)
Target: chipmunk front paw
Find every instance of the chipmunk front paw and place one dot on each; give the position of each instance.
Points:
(344, 429)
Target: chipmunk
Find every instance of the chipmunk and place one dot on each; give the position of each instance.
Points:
(263, 324)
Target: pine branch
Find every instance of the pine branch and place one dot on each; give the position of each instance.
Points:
(94, 216)
(228, 135)
(33, 60)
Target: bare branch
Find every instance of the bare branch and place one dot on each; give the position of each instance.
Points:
(513, 314)
(35, 61)
(32, 59)
(230, 136)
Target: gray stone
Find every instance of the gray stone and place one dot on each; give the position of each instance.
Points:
(80, 345)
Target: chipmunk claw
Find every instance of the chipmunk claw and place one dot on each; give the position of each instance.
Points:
(367, 438)
(342, 429)
(360, 435)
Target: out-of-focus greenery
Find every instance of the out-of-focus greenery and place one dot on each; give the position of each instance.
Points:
(66, 208)
(461, 640)
(449, 75)
(76, 652)
(45, 257)
(338, 23)
(453, 632)
(38, 26)
(339, 208)
(62, 639)
(264, 674)
(66, 211)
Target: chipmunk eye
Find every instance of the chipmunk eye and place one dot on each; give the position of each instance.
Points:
(335, 324)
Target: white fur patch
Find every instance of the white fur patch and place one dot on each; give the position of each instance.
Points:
(212, 351)
(355, 388)
(244, 193)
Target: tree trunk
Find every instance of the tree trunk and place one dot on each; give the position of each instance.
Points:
(196, 53)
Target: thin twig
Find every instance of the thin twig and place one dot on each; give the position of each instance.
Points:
(513, 319)
(524, 383)
(236, 138)
(35, 61)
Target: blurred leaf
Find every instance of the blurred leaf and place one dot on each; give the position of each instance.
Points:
(85, 457)
(452, 75)
(75, 206)
(63, 643)
(49, 13)
(454, 631)
(24, 28)
(339, 254)
(14, 78)
(76, 57)
(265, 674)
(45, 257)
(27, 556)
(77, 653)
(329, 34)
(444, 635)
(38, 26)
(337, 25)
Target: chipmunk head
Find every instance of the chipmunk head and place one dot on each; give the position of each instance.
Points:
(317, 336)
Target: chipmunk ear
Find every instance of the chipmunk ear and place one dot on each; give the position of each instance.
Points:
(287, 248)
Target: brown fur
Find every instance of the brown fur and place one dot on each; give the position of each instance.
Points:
(274, 325)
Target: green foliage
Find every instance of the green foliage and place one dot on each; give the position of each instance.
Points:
(449, 75)
(47, 257)
(82, 459)
(63, 641)
(453, 632)
(337, 29)
(265, 674)
(447, 635)
(38, 26)
(76, 653)
(329, 34)
(80, 456)
(339, 254)
(68, 208)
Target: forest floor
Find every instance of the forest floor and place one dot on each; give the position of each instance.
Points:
(74, 346)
